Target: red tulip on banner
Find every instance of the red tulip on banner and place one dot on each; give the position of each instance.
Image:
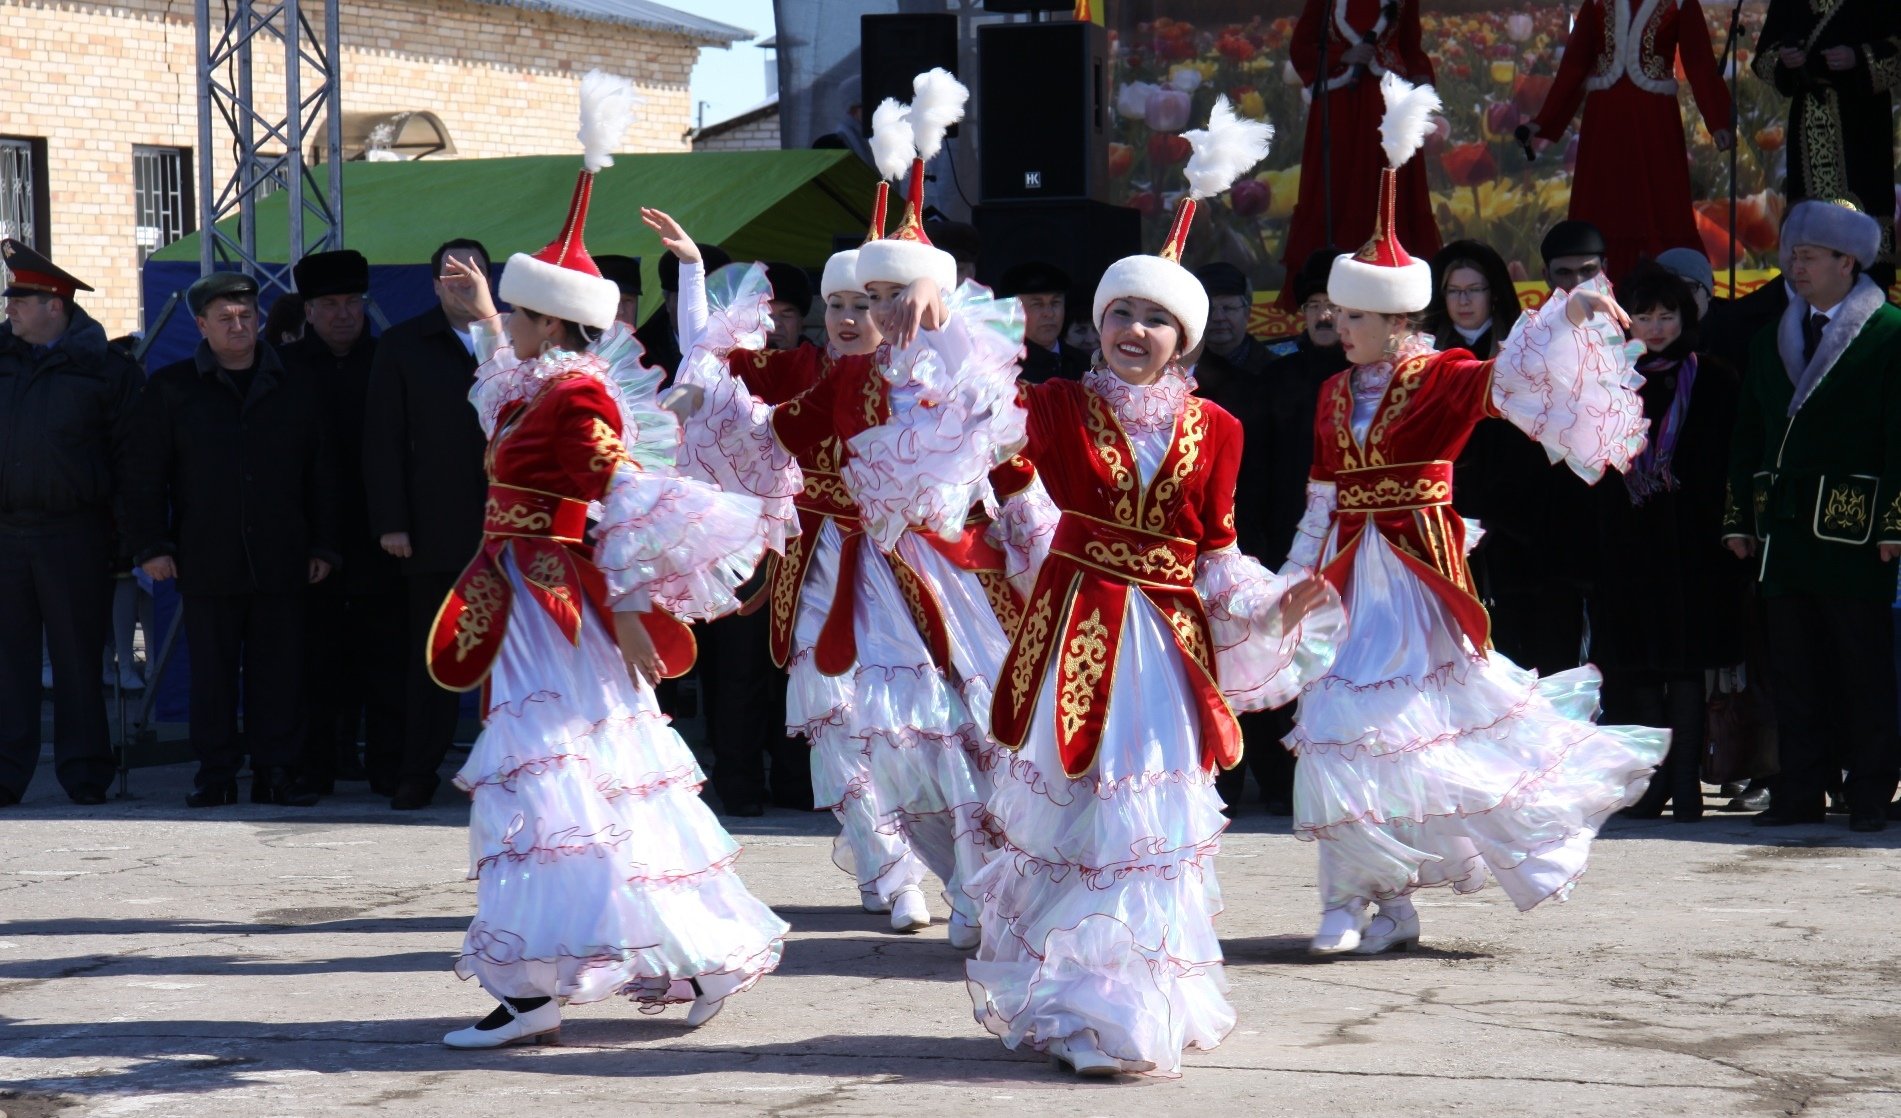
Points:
(1121, 158)
(1147, 203)
(1167, 149)
(1469, 164)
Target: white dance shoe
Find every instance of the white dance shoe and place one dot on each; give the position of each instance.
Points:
(541, 1025)
(963, 935)
(1079, 1054)
(1339, 932)
(1396, 931)
(709, 997)
(908, 913)
(872, 902)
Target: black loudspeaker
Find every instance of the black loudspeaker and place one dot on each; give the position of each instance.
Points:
(1081, 238)
(1014, 7)
(893, 49)
(1042, 110)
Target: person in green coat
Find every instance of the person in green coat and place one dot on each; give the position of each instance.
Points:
(1815, 493)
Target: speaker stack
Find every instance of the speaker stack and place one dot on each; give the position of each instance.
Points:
(1043, 114)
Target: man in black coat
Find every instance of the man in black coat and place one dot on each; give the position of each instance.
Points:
(1043, 290)
(422, 462)
(232, 493)
(1276, 409)
(1231, 359)
(65, 403)
(353, 649)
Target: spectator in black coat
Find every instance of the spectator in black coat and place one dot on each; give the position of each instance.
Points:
(422, 464)
(65, 402)
(1276, 408)
(232, 494)
(353, 649)
(1043, 290)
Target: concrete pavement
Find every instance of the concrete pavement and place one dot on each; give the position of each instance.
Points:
(275, 961)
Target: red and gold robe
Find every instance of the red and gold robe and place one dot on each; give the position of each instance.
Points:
(1118, 537)
(550, 455)
(1398, 480)
(849, 398)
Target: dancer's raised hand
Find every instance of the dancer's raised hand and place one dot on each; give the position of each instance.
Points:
(673, 238)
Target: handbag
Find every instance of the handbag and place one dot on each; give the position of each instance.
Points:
(1740, 739)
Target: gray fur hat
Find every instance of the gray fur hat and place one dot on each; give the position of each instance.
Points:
(1833, 225)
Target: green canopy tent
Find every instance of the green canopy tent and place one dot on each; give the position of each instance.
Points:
(763, 205)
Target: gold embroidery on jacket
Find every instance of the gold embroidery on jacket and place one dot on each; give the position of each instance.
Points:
(1085, 661)
(483, 597)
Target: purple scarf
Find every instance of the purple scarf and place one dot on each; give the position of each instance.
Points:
(1650, 473)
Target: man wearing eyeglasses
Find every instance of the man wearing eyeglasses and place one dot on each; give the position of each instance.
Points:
(1276, 409)
(353, 652)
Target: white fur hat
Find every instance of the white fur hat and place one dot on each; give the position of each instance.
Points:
(898, 259)
(1159, 280)
(841, 274)
(1383, 277)
(1834, 225)
(564, 292)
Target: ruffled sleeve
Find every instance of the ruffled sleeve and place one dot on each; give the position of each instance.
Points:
(728, 442)
(1259, 662)
(676, 543)
(1022, 529)
(1572, 388)
(1316, 524)
(954, 416)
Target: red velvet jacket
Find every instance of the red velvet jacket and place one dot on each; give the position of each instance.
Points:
(1398, 482)
(852, 396)
(1117, 536)
(548, 458)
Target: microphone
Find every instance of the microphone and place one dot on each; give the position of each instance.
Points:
(1523, 135)
(1390, 12)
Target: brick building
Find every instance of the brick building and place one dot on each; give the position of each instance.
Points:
(753, 130)
(97, 159)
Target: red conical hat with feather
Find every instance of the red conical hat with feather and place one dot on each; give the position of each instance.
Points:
(1383, 277)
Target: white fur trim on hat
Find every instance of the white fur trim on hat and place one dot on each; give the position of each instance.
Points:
(1357, 285)
(841, 274)
(890, 260)
(1158, 280)
(1831, 226)
(562, 292)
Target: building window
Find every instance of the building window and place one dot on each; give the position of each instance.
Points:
(161, 179)
(23, 192)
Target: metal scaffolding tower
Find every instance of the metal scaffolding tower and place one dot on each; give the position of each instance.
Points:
(267, 140)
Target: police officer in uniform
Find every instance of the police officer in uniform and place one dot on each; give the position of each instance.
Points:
(65, 401)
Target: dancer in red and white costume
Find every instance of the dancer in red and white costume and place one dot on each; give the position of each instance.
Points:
(599, 870)
(1146, 630)
(1426, 758)
(892, 634)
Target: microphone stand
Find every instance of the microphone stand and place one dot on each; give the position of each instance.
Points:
(1735, 140)
(1325, 24)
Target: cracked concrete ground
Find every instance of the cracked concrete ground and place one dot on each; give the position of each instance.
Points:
(272, 961)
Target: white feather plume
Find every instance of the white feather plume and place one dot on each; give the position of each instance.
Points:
(607, 111)
(937, 102)
(1408, 111)
(892, 143)
(1225, 150)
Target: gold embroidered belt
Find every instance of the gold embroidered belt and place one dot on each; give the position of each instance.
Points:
(514, 511)
(1145, 558)
(1400, 488)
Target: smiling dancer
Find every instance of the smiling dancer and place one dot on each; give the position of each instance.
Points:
(1146, 630)
(598, 869)
(1426, 758)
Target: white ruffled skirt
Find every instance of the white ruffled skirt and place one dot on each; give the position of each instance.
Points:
(599, 870)
(898, 748)
(1424, 763)
(1098, 909)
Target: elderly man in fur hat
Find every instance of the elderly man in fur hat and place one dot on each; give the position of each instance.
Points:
(1815, 492)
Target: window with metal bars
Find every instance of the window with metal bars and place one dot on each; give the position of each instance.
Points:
(161, 181)
(23, 198)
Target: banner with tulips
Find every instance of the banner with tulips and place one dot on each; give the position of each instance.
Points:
(1495, 62)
